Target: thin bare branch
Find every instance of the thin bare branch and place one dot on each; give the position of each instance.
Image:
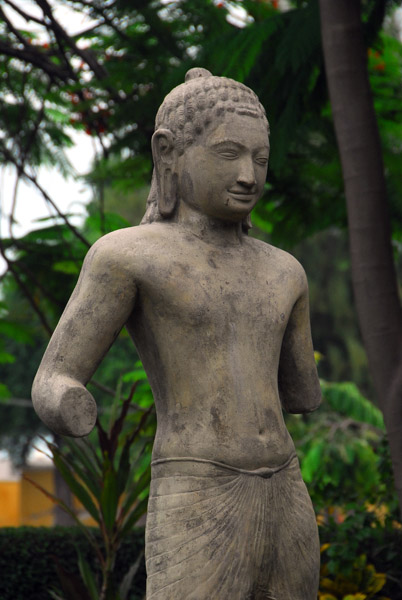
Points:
(61, 34)
(11, 27)
(103, 388)
(45, 195)
(106, 21)
(48, 199)
(34, 280)
(25, 290)
(11, 219)
(32, 56)
(24, 14)
(22, 402)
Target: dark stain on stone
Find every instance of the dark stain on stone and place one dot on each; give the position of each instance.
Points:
(219, 427)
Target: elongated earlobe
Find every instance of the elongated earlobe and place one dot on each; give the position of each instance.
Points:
(165, 161)
(167, 199)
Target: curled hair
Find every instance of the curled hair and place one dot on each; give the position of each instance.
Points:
(191, 107)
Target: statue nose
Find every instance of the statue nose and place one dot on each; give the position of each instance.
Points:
(246, 176)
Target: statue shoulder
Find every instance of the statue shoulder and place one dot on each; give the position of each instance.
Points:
(292, 269)
(284, 262)
(125, 249)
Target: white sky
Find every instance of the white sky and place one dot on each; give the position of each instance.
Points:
(70, 194)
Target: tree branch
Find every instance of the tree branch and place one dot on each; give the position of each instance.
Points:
(24, 14)
(11, 27)
(61, 34)
(48, 199)
(38, 59)
(46, 196)
(25, 290)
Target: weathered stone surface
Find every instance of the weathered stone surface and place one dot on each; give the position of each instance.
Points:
(221, 323)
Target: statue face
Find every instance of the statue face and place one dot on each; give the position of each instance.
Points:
(223, 174)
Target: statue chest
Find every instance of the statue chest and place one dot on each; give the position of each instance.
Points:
(214, 289)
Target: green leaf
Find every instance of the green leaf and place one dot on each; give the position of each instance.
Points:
(134, 516)
(92, 475)
(132, 496)
(55, 596)
(4, 392)
(87, 576)
(312, 461)
(66, 266)
(109, 498)
(73, 589)
(77, 488)
(123, 468)
(125, 585)
(346, 399)
(6, 358)
(133, 376)
(75, 462)
(86, 531)
(15, 331)
(57, 115)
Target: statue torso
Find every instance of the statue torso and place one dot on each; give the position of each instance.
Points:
(208, 324)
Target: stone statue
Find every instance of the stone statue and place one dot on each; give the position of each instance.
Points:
(221, 323)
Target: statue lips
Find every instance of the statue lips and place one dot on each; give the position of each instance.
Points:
(242, 196)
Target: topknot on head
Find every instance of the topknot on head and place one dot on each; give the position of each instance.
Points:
(197, 72)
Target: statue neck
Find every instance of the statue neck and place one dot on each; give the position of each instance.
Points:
(209, 229)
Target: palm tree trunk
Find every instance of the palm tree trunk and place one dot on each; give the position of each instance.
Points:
(373, 272)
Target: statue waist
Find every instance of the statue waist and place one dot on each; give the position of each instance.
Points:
(264, 472)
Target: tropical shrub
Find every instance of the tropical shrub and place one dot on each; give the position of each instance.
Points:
(361, 553)
(339, 447)
(111, 481)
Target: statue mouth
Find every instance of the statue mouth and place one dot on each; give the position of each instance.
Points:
(242, 196)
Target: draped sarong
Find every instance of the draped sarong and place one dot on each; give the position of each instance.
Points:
(216, 532)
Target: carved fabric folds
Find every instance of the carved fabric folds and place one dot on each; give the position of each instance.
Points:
(217, 534)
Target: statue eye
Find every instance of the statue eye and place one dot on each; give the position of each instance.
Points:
(229, 154)
(261, 160)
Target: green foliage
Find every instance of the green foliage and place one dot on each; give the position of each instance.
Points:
(385, 67)
(345, 399)
(361, 552)
(332, 312)
(363, 583)
(32, 559)
(340, 448)
(112, 485)
(138, 53)
(46, 263)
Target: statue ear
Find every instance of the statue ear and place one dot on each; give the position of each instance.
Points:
(165, 161)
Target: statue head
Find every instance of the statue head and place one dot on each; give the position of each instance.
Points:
(189, 113)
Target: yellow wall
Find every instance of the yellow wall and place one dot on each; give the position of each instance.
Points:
(10, 503)
(21, 503)
(36, 508)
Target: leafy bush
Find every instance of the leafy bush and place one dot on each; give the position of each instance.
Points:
(340, 447)
(361, 553)
(111, 481)
(29, 557)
